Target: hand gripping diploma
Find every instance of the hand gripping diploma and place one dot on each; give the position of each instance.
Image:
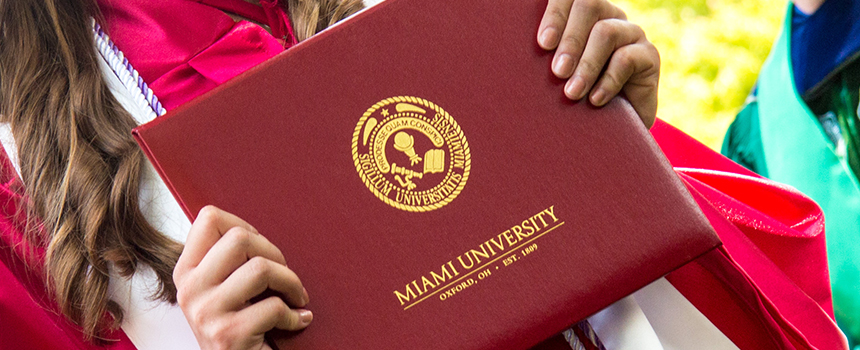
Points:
(601, 54)
(225, 264)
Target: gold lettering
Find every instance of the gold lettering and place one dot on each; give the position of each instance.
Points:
(498, 244)
(436, 120)
(532, 219)
(373, 176)
(459, 160)
(443, 126)
(511, 240)
(386, 189)
(550, 212)
(418, 289)
(451, 265)
(427, 282)
(471, 262)
(403, 298)
(455, 178)
(457, 153)
(518, 232)
(445, 190)
(531, 230)
(408, 198)
(438, 279)
(449, 186)
(540, 217)
(482, 253)
(476, 257)
(432, 197)
(486, 245)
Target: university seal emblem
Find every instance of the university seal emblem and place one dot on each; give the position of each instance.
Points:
(411, 154)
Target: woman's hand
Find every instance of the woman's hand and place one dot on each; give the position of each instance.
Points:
(225, 264)
(601, 54)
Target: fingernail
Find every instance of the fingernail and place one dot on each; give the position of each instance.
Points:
(306, 316)
(598, 97)
(305, 298)
(575, 88)
(548, 37)
(562, 65)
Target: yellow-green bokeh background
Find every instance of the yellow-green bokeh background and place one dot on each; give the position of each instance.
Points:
(711, 52)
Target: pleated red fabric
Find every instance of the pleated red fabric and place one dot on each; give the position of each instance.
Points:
(768, 286)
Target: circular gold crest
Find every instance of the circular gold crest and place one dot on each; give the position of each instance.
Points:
(411, 154)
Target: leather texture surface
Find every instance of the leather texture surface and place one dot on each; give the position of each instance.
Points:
(274, 147)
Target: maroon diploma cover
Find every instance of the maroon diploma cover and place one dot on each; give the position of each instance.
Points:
(425, 177)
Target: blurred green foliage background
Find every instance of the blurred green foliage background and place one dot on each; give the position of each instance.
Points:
(711, 52)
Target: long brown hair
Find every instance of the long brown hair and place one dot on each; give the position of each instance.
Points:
(79, 164)
(312, 16)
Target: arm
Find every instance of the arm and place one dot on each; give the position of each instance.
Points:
(600, 54)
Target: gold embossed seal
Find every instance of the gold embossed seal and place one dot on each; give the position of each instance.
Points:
(411, 154)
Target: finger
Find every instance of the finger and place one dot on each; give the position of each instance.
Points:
(257, 275)
(235, 248)
(553, 22)
(584, 14)
(642, 87)
(271, 313)
(606, 37)
(637, 65)
(207, 229)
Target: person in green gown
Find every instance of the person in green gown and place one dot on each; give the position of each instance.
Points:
(800, 127)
